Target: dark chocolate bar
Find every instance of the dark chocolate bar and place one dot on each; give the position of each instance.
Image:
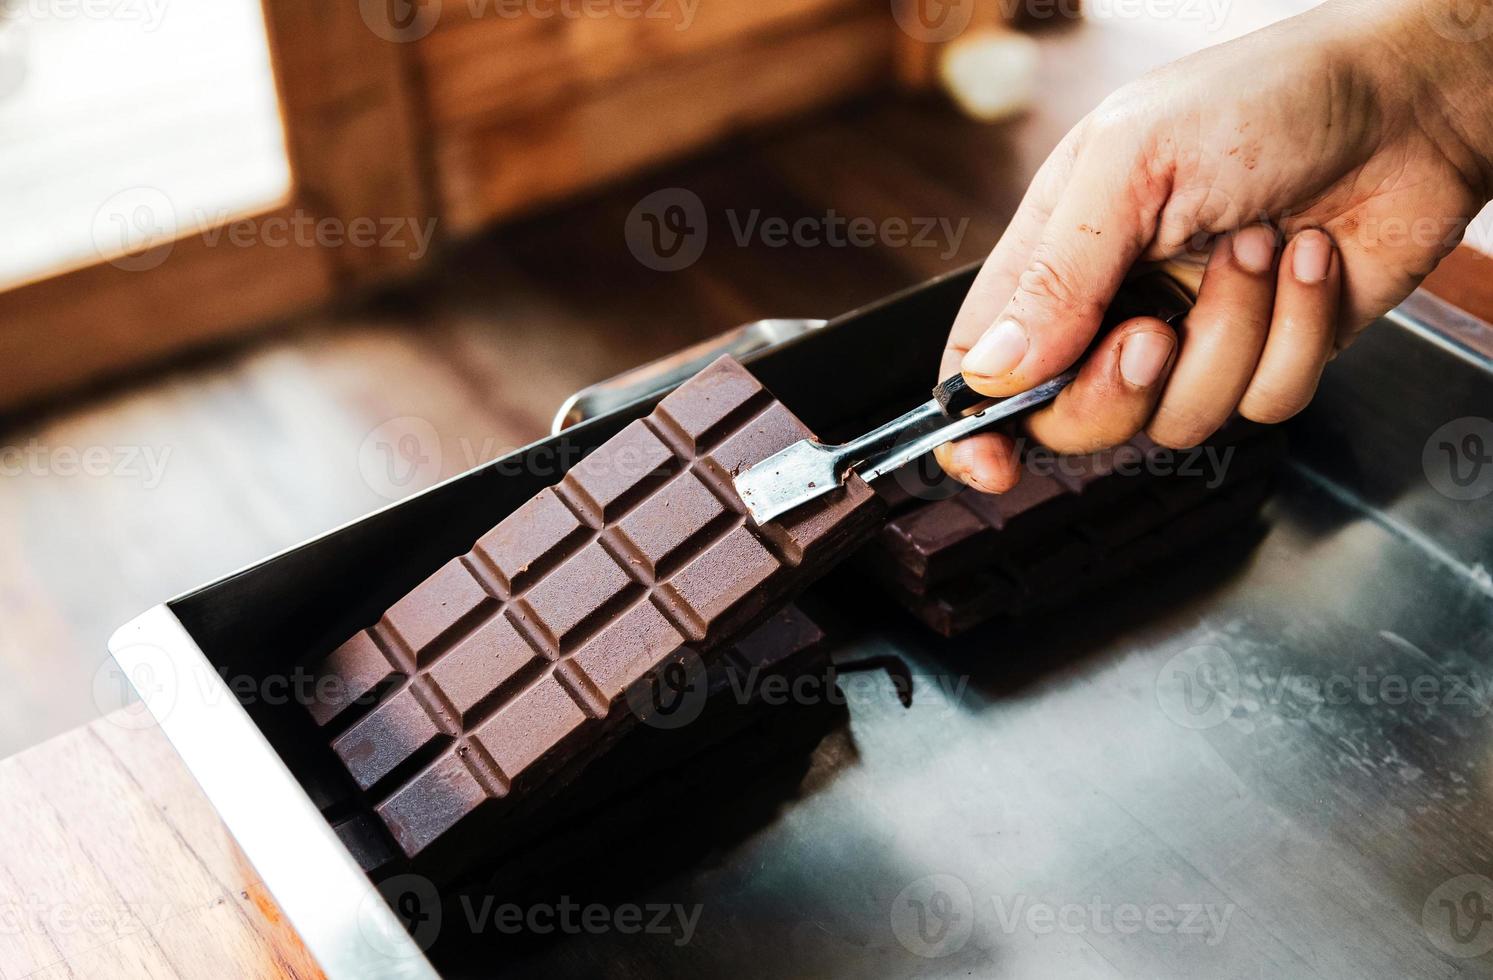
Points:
(1069, 525)
(508, 668)
(787, 643)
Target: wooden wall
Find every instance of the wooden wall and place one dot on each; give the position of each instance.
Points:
(460, 114)
(523, 111)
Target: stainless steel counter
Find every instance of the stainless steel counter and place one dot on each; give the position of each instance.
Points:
(1272, 760)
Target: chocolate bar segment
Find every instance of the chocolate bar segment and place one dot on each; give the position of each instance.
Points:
(510, 666)
(1071, 523)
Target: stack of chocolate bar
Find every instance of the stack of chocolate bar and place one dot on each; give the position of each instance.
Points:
(716, 710)
(1072, 524)
(638, 579)
(502, 676)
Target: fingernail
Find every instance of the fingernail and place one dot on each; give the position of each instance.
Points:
(1143, 358)
(1254, 248)
(998, 352)
(1310, 256)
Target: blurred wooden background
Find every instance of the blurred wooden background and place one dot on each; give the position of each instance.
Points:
(227, 452)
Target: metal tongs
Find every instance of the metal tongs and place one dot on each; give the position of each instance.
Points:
(808, 469)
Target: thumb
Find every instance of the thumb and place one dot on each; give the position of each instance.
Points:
(1095, 233)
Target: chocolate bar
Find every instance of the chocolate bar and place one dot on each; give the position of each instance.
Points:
(1071, 524)
(508, 669)
(787, 643)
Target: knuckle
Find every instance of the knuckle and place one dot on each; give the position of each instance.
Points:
(1094, 427)
(1118, 114)
(1043, 281)
(1048, 284)
(1269, 405)
(1178, 429)
(1083, 426)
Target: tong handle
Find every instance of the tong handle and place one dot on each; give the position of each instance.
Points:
(1165, 290)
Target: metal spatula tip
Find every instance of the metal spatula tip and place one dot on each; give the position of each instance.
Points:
(807, 469)
(787, 479)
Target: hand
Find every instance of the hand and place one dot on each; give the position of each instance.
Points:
(1321, 167)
